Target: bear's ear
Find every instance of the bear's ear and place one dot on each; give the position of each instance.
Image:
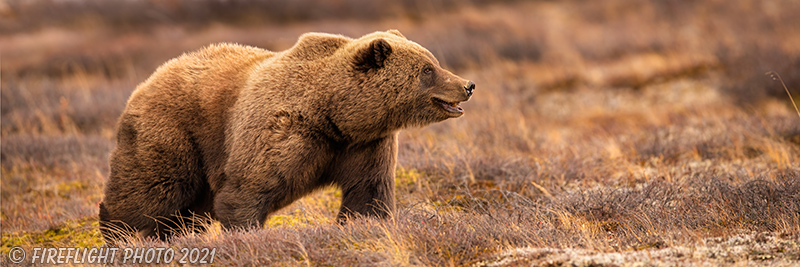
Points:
(396, 32)
(373, 56)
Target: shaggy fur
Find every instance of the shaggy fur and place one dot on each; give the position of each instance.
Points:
(236, 132)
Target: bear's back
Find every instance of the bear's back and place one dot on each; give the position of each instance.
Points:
(210, 72)
(193, 93)
(204, 82)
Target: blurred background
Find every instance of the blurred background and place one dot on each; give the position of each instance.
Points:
(523, 48)
(575, 101)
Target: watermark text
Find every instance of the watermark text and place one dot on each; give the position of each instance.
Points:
(109, 255)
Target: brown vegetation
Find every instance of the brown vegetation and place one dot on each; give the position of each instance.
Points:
(599, 129)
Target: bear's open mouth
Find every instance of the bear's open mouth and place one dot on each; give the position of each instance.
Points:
(449, 107)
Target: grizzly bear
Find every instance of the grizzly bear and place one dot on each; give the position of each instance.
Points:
(235, 133)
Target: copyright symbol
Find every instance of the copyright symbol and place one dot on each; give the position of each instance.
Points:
(16, 255)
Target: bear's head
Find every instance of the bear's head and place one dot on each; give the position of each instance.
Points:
(405, 81)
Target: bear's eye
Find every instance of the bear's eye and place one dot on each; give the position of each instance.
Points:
(427, 70)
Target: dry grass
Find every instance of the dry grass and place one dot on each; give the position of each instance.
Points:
(601, 133)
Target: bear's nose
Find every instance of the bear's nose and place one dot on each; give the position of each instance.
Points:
(469, 88)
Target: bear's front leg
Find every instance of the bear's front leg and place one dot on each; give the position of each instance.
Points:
(365, 174)
(236, 207)
(262, 179)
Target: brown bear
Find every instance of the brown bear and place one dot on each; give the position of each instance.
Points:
(235, 132)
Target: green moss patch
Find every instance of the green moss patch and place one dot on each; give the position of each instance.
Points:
(82, 232)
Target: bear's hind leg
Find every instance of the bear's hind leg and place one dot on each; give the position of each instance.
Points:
(156, 174)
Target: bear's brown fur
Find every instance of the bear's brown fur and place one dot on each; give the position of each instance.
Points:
(237, 132)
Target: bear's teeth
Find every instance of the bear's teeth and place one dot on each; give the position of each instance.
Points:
(455, 105)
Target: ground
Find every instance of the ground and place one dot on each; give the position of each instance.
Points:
(601, 133)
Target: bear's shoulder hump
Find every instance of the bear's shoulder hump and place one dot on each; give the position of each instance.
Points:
(315, 45)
